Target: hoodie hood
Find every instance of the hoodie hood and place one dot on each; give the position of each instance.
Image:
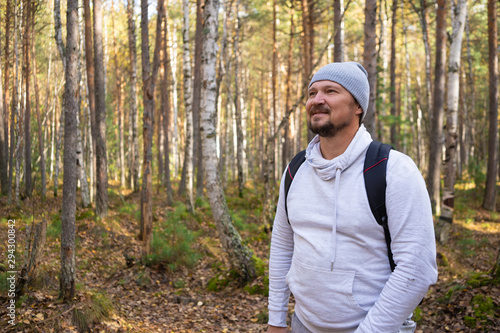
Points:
(327, 169)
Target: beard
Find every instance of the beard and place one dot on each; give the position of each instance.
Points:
(328, 129)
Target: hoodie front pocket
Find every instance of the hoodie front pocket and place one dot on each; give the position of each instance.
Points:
(324, 297)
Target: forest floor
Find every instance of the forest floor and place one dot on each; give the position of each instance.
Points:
(116, 293)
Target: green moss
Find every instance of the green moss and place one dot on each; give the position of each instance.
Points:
(484, 310)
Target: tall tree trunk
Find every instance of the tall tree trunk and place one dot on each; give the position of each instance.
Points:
(338, 30)
(165, 106)
(370, 62)
(68, 266)
(288, 149)
(451, 142)
(148, 81)
(89, 65)
(197, 154)
(15, 132)
(28, 186)
(436, 134)
(4, 141)
(271, 156)
(239, 255)
(489, 201)
(134, 142)
(119, 109)
(41, 142)
(394, 139)
(3, 153)
(100, 115)
(188, 101)
(240, 151)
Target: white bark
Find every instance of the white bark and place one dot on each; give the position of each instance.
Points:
(188, 101)
(239, 256)
(453, 81)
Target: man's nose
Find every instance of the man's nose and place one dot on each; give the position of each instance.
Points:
(318, 99)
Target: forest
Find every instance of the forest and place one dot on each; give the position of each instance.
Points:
(142, 145)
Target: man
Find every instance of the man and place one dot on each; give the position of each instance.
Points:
(329, 250)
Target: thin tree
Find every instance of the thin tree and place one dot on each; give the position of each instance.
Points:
(197, 153)
(165, 106)
(394, 139)
(68, 265)
(489, 201)
(240, 150)
(27, 11)
(451, 142)
(370, 61)
(239, 255)
(89, 65)
(188, 100)
(100, 115)
(436, 134)
(41, 143)
(133, 135)
(338, 30)
(148, 91)
(119, 107)
(4, 141)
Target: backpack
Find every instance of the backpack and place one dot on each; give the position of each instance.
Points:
(374, 172)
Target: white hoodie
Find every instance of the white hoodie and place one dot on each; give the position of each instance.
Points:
(333, 255)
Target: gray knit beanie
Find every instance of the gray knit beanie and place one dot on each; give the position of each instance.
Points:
(350, 75)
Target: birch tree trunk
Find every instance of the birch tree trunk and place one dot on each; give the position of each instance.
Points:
(451, 142)
(197, 153)
(134, 142)
(489, 201)
(239, 255)
(370, 62)
(436, 134)
(188, 100)
(68, 266)
(100, 115)
(165, 102)
(240, 151)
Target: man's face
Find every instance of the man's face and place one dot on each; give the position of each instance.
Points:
(330, 108)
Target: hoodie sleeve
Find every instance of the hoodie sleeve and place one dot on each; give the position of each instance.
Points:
(279, 263)
(413, 246)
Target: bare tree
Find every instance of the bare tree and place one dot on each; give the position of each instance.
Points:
(100, 115)
(133, 142)
(370, 61)
(489, 201)
(338, 30)
(4, 118)
(148, 82)
(394, 139)
(240, 256)
(41, 142)
(68, 266)
(27, 21)
(451, 142)
(436, 134)
(89, 65)
(188, 101)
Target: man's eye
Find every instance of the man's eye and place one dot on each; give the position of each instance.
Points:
(312, 94)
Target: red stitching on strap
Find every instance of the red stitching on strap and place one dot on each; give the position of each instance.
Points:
(290, 173)
(375, 164)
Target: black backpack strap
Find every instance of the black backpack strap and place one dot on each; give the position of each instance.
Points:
(291, 170)
(374, 172)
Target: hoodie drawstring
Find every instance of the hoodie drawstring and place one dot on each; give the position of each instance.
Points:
(333, 240)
